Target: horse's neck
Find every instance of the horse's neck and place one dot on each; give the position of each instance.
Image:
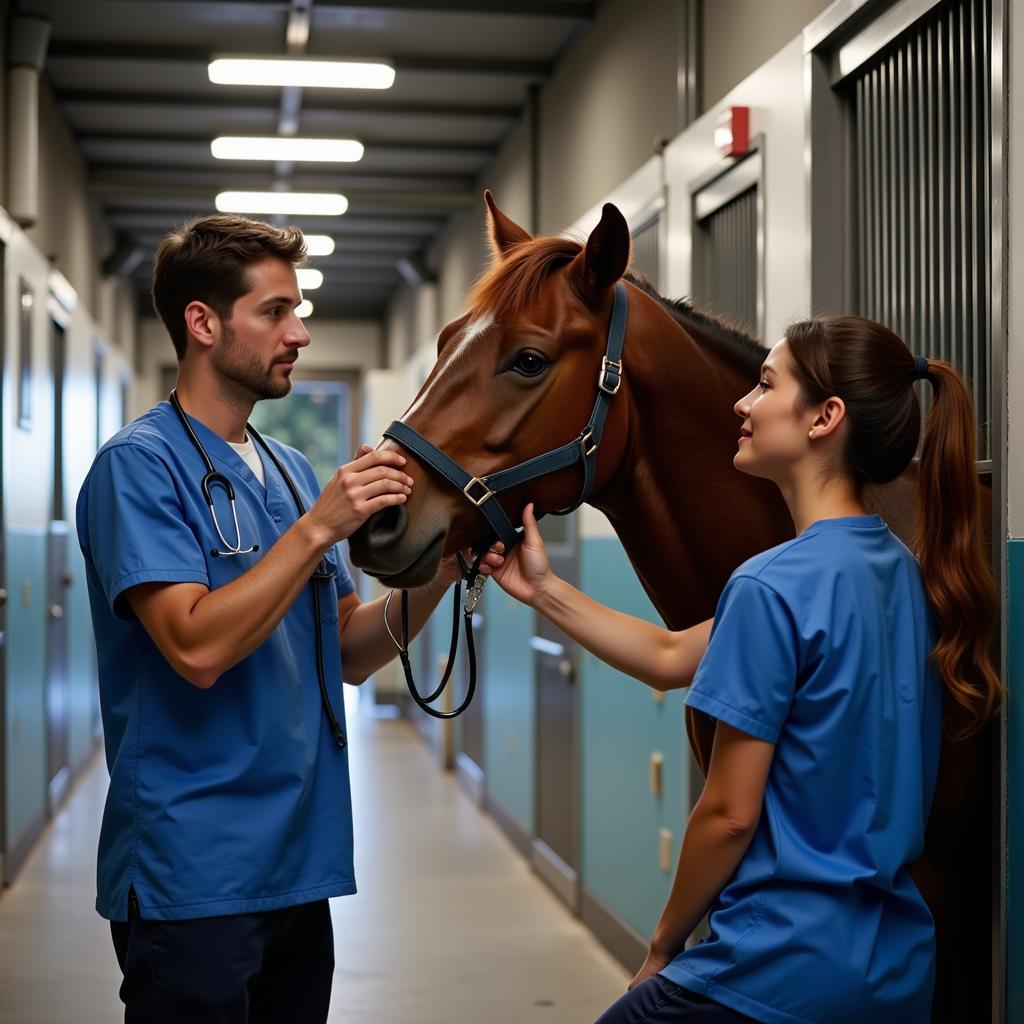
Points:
(686, 517)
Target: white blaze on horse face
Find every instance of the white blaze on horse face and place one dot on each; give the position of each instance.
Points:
(470, 333)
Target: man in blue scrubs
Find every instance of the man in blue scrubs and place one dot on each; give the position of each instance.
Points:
(228, 822)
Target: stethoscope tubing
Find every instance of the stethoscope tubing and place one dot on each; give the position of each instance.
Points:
(213, 477)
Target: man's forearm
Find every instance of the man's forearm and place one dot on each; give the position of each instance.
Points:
(365, 643)
(230, 622)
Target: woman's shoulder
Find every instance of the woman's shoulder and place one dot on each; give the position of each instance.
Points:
(820, 556)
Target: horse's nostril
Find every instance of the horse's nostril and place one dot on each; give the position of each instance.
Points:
(386, 526)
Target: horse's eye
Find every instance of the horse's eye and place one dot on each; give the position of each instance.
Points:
(530, 364)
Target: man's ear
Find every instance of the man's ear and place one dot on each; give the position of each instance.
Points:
(505, 232)
(202, 323)
(604, 258)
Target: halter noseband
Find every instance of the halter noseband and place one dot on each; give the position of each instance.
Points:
(480, 492)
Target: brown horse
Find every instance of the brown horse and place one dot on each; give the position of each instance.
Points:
(516, 376)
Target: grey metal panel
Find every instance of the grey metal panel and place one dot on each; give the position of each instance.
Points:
(921, 161)
(647, 250)
(726, 259)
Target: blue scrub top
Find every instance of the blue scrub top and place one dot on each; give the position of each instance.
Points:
(820, 646)
(233, 799)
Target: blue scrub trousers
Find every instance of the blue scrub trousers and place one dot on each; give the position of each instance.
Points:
(265, 968)
(660, 1001)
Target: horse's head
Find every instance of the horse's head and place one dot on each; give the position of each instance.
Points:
(516, 376)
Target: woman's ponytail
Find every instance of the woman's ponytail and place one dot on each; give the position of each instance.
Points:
(871, 369)
(950, 548)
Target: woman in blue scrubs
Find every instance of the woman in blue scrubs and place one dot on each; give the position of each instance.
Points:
(830, 667)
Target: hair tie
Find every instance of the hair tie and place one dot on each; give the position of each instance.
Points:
(920, 367)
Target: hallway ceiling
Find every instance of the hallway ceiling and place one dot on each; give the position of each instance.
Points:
(131, 79)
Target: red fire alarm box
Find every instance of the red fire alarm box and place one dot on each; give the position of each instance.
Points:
(732, 132)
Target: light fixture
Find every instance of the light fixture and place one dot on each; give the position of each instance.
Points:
(309, 279)
(319, 245)
(309, 74)
(314, 204)
(304, 309)
(234, 147)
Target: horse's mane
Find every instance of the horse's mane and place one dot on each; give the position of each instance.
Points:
(719, 330)
(514, 281)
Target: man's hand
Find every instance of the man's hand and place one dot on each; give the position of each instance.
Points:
(654, 964)
(371, 482)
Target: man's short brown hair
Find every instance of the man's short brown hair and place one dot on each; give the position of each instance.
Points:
(206, 261)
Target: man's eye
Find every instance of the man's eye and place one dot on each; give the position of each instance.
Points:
(530, 364)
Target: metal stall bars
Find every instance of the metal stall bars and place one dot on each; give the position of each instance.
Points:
(921, 109)
(646, 261)
(907, 138)
(728, 243)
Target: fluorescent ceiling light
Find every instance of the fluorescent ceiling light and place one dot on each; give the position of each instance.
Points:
(304, 309)
(319, 245)
(316, 204)
(233, 147)
(309, 278)
(322, 74)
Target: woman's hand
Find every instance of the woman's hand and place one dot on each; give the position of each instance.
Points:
(654, 964)
(525, 574)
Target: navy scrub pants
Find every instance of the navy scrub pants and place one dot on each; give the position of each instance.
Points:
(264, 968)
(660, 1001)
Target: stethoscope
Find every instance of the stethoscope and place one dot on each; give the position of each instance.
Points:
(212, 479)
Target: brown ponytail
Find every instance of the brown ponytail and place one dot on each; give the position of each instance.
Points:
(950, 548)
(870, 368)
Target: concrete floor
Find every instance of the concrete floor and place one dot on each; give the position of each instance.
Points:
(449, 927)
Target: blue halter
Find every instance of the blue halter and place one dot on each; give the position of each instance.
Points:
(480, 491)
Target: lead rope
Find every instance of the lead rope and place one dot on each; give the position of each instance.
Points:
(475, 581)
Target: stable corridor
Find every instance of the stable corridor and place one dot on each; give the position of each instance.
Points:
(449, 927)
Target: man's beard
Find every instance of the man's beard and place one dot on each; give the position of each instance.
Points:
(242, 368)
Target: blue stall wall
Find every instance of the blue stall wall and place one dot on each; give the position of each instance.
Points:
(26, 675)
(509, 705)
(621, 726)
(1014, 775)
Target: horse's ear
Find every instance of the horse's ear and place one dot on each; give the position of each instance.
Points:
(606, 255)
(505, 232)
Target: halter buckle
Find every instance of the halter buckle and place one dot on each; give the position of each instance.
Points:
(477, 482)
(585, 438)
(609, 380)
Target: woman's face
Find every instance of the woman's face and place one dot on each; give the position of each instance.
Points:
(774, 431)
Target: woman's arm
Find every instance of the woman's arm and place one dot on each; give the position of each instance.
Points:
(659, 657)
(717, 837)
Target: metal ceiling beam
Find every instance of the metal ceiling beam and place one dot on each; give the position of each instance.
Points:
(233, 179)
(454, 64)
(526, 8)
(478, 149)
(167, 195)
(225, 104)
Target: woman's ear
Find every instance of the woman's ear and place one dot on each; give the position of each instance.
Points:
(830, 415)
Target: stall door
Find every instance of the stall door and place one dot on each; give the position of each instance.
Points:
(58, 579)
(728, 264)
(469, 759)
(556, 845)
(918, 95)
